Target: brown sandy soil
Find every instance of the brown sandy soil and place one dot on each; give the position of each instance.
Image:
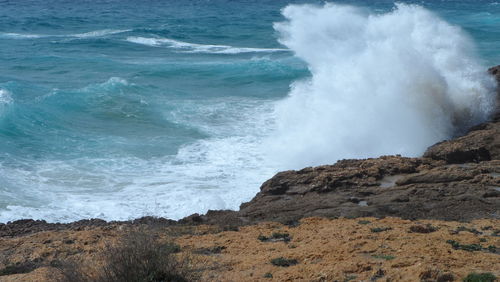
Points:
(340, 249)
(325, 249)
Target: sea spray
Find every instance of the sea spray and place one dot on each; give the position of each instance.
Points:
(5, 100)
(390, 83)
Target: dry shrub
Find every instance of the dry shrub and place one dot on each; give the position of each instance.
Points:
(136, 257)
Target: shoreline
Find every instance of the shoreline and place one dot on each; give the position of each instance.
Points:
(352, 185)
(432, 218)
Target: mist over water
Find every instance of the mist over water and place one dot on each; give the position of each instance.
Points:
(390, 83)
(190, 107)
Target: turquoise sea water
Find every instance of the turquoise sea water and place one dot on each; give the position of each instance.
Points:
(119, 109)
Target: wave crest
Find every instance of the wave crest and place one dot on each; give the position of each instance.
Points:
(391, 83)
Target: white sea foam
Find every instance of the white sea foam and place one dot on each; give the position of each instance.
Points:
(11, 35)
(90, 34)
(5, 100)
(198, 48)
(99, 33)
(215, 173)
(390, 83)
(5, 96)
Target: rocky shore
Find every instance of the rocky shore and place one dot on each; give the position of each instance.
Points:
(330, 213)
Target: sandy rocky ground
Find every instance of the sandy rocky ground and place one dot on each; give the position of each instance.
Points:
(434, 218)
(362, 249)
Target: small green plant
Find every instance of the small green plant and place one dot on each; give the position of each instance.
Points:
(19, 268)
(262, 238)
(423, 228)
(172, 247)
(385, 257)
(483, 240)
(281, 236)
(364, 222)
(471, 230)
(470, 248)
(275, 237)
(480, 277)
(292, 223)
(231, 228)
(491, 249)
(349, 278)
(283, 262)
(380, 229)
(268, 275)
(137, 256)
(210, 250)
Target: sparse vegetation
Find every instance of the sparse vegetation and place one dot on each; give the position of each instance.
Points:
(349, 278)
(292, 223)
(364, 222)
(138, 256)
(492, 249)
(18, 268)
(283, 262)
(471, 230)
(380, 229)
(283, 236)
(433, 275)
(480, 277)
(385, 257)
(262, 238)
(472, 247)
(268, 275)
(469, 248)
(275, 237)
(231, 228)
(210, 250)
(423, 228)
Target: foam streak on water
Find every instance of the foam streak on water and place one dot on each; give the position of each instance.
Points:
(198, 48)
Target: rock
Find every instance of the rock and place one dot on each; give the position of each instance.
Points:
(495, 71)
(480, 144)
(427, 188)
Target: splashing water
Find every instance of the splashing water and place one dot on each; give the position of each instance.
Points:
(390, 83)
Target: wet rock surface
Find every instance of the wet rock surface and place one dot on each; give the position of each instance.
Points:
(422, 188)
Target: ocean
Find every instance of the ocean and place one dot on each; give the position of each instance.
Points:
(118, 109)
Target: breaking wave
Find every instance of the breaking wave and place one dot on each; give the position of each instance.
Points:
(392, 83)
